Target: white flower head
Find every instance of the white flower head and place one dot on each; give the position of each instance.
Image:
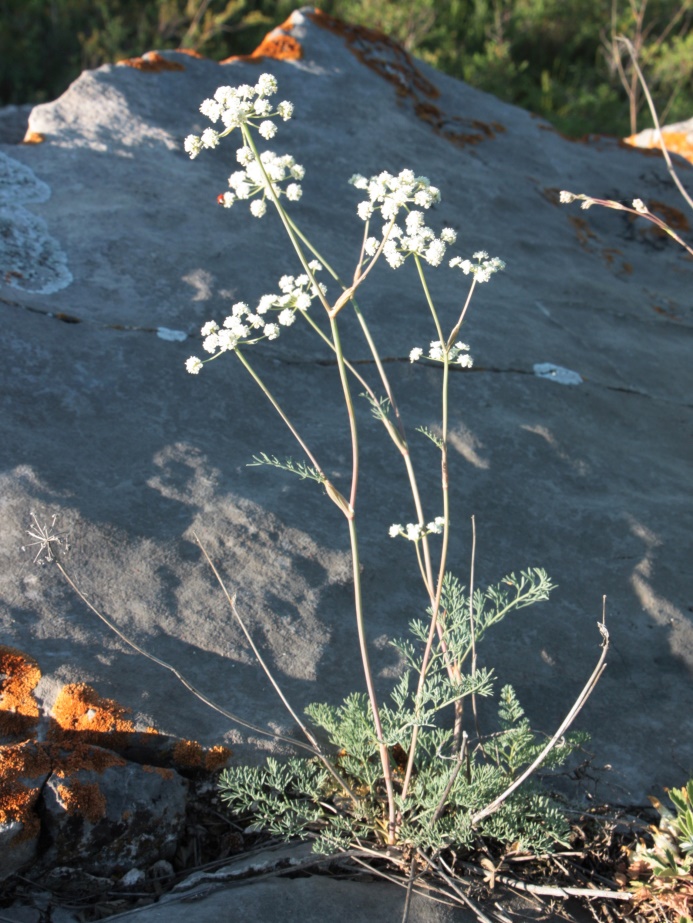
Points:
(266, 85)
(285, 110)
(192, 146)
(267, 129)
(237, 106)
(193, 365)
(415, 354)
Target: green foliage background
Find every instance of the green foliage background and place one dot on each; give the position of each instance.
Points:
(554, 57)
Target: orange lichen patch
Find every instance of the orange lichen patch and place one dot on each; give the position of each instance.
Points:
(152, 62)
(19, 676)
(188, 754)
(33, 137)
(79, 711)
(82, 756)
(381, 53)
(160, 770)
(191, 53)
(85, 798)
(456, 129)
(216, 758)
(22, 766)
(276, 44)
(582, 229)
(674, 217)
(677, 142)
(611, 255)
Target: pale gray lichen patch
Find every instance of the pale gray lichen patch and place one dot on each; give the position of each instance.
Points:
(30, 258)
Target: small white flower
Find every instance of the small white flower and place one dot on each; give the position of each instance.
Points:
(193, 365)
(211, 343)
(414, 531)
(394, 530)
(271, 331)
(209, 328)
(210, 138)
(227, 199)
(244, 156)
(258, 208)
(266, 303)
(228, 339)
(266, 85)
(315, 265)
(262, 107)
(285, 110)
(415, 354)
(267, 129)
(286, 317)
(364, 210)
(436, 350)
(566, 197)
(465, 361)
(640, 206)
(212, 109)
(448, 235)
(192, 145)
(435, 252)
(436, 526)
(480, 255)
(293, 192)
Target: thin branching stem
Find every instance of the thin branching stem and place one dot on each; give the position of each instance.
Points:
(653, 112)
(586, 692)
(179, 676)
(258, 656)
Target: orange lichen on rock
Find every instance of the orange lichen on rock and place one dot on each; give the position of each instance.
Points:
(674, 217)
(191, 53)
(216, 758)
(152, 62)
(23, 769)
(84, 798)
(276, 44)
(677, 142)
(80, 712)
(188, 754)
(19, 676)
(381, 53)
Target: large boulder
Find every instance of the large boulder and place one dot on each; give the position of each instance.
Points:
(570, 437)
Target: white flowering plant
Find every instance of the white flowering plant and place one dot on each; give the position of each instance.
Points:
(401, 776)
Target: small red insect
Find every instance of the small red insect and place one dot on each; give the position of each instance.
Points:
(220, 198)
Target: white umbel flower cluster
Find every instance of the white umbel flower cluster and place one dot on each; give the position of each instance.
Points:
(243, 327)
(484, 267)
(251, 182)
(236, 106)
(416, 530)
(415, 238)
(458, 353)
(388, 193)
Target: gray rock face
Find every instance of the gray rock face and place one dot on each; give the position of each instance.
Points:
(570, 437)
(109, 821)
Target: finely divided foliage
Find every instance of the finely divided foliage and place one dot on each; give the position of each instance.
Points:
(409, 772)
